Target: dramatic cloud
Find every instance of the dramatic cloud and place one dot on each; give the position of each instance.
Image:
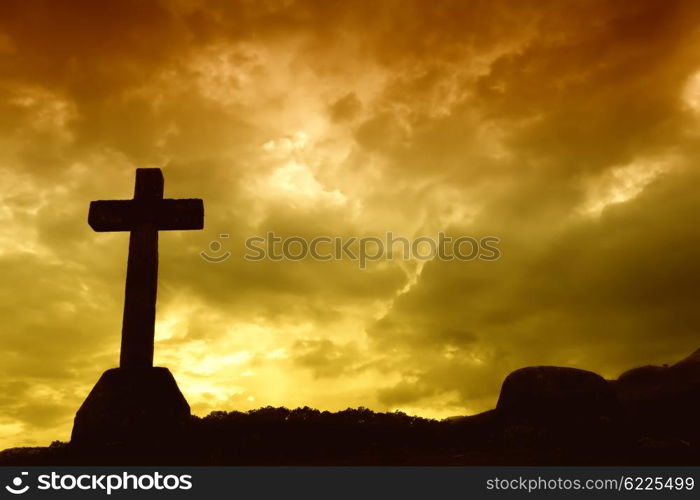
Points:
(570, 131)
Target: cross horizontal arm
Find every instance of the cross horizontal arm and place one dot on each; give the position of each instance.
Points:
(182, 214)
(126, 215)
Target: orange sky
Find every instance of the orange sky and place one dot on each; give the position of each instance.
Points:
(567, 129)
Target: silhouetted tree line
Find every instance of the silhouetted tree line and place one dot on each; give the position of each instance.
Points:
(545, 415)
(306, 434)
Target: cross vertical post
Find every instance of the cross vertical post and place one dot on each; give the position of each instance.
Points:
(140, 293)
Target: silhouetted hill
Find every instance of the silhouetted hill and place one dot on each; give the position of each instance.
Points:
(545, 415)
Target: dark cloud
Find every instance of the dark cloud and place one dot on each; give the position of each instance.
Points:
(324, 358)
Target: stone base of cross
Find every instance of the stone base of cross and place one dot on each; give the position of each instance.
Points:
(132, 408)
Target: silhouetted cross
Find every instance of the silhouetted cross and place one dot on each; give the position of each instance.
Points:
(143, 216)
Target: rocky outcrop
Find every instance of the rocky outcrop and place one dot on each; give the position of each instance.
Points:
(552, 407)
(555, 392)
